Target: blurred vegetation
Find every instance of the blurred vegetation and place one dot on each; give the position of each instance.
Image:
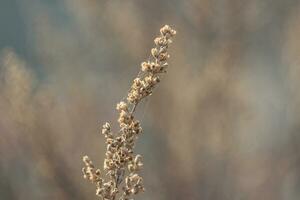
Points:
(224, 124)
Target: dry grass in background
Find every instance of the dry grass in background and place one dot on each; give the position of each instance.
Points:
(230, 104)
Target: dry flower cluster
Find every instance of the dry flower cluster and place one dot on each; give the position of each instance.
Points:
(121, 165)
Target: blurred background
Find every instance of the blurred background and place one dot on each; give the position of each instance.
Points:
(223, 124)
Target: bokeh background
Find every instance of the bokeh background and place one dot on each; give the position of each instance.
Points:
(223, 124)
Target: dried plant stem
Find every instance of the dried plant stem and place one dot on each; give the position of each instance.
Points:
(122, 180)
(133, 109)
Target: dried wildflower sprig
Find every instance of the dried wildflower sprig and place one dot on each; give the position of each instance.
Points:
(120, 163)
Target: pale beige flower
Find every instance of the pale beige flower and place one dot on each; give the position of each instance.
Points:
(120, 163)
(122, 106)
